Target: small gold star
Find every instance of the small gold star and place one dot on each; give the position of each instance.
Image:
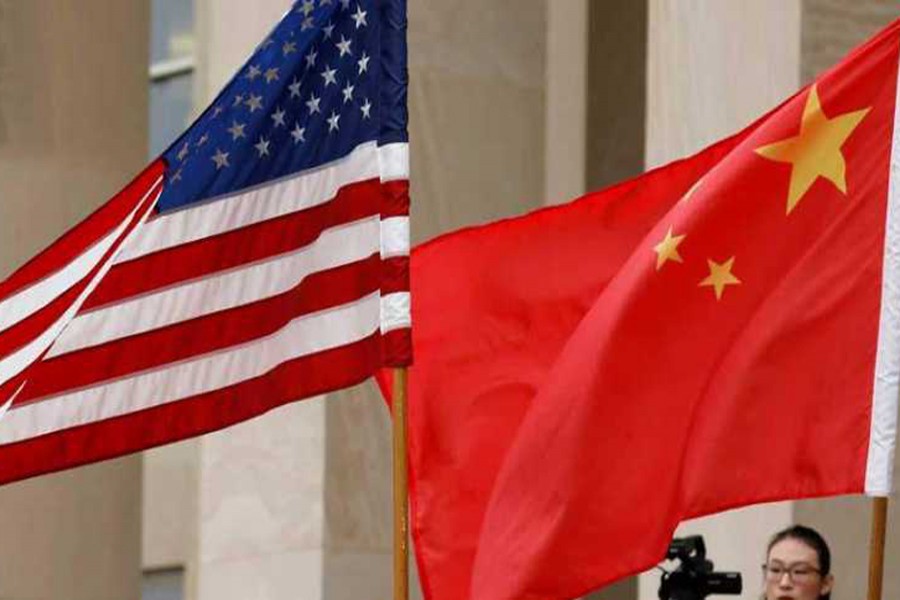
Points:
(690, 192)
(720, 276)
(667, 249)
(816, 151)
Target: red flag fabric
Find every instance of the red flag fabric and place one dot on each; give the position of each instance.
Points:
(719, 332)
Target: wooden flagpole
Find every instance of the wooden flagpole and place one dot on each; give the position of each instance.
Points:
(876, 547)
(401, 494)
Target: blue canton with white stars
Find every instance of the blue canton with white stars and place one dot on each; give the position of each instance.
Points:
(307, 96)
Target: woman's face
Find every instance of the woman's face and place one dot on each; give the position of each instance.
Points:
(792, 572)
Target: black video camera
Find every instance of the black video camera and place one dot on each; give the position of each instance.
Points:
(694, 579)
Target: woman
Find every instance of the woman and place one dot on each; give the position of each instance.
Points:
(798, 566)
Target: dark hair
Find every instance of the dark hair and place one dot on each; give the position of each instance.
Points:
(811, 538)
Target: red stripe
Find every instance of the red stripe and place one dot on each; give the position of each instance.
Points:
(19, 334)
(396, 348)
(300, 378)
(26, 330)
(10, 387)
(395, 275)
(202, 335)
(235, 248)
(395, 200)
(81, 237)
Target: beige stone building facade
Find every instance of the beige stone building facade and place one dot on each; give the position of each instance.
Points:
(513, 104)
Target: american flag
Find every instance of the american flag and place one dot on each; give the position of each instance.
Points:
(262, 259)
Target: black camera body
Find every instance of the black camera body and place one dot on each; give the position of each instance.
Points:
(695, 579)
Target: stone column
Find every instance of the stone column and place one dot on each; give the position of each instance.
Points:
(566, 100)
(73, 120)
(261, 483)
(298, 503)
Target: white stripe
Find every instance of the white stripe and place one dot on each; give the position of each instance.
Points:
(395, 311)
(336, 246)
(394, 237)
(883, 430)
(302, 336)
(19, 360)
(40, 294)
(394, 161)
(9, 402)
(274, 199)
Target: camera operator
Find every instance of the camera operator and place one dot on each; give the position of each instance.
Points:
(798, 566)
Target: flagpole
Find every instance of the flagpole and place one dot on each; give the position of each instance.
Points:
(876, 547)
(401, 494)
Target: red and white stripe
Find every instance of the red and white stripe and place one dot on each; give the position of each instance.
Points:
(192, 320)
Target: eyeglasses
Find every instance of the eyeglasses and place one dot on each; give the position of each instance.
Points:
(798, 573)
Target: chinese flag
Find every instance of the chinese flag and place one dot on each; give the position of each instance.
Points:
(722, 331)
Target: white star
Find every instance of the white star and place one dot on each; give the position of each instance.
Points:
(271, 74)
(262, 146)
(345, 4)
(363, 63)
(360, 17)
(328, 74)
(202, 139)
(308, 7)
(253, 72)
(221, 159)
(365, 108)
(299, 134)
(288, 47)
(324, 2)
(307, 23)
(268, 42)
(295, 88)
(217, 111)
(311, 58)
(328, 29)
(176, 176)
(313, 104)
(344, 46)
(238, 99)
(253, 102)
(184, 151)
(333, 121)
(278, 117)
(348, 92)
(236, 130)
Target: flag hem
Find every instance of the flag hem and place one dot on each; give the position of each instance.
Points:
(886, 387)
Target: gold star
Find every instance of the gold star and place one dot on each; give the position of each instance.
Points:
(667, 249)
(816, 151)
(720, 276)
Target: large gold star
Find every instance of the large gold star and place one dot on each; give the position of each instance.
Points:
(816, 151)
(720, 276)
(667, 249)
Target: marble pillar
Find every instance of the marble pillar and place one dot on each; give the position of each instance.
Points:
(297, 503)
(566, 100)
(73, 131)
